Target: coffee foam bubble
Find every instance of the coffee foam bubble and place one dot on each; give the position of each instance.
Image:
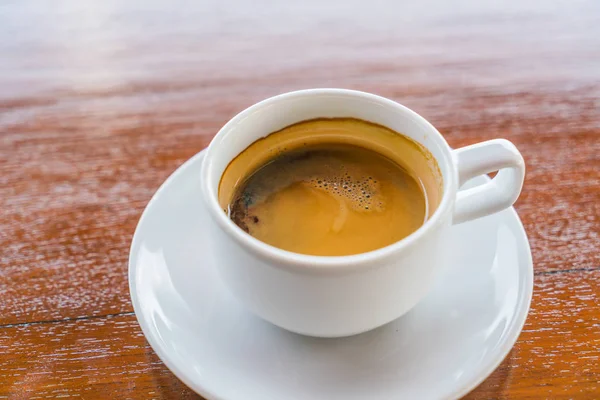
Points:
(359, 192)
(346, 182)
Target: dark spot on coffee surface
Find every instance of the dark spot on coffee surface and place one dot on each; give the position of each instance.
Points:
(238, 213)
(255, 219)
(246, 198)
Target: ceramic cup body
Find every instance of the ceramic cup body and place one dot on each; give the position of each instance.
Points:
(341, 296)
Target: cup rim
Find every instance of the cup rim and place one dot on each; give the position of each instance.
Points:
(286, 259)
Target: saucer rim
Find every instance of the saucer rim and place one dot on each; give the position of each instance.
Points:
(203, 389)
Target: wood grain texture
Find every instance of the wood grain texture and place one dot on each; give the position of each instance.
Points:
(101, 101)
(90, 358)
(557, 354)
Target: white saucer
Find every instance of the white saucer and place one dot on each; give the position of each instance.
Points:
(443, 348)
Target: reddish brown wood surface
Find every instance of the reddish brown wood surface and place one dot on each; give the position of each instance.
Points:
(101, 100)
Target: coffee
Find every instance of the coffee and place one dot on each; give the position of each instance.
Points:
(331, 187)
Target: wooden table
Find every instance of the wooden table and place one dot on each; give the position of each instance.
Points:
(101, 100)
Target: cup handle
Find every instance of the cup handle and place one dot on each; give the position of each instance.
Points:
(499, 193)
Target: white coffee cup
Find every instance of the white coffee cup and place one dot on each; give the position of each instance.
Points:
(346, 295)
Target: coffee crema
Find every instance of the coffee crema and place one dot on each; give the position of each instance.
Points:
(331, 187)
